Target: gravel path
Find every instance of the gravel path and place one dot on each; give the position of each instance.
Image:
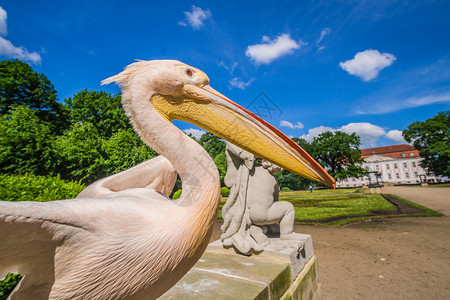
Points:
(400, 258)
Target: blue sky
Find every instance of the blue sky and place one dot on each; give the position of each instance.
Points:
(370, 67)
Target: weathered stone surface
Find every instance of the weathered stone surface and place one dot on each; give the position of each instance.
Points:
(296, 253)
(306, 286)
(221, 274)
(252, 211)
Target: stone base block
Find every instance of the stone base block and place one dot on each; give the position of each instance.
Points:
(223, 274)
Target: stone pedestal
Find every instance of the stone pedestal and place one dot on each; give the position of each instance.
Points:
(277, 273)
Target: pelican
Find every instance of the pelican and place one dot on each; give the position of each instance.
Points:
(122, 237)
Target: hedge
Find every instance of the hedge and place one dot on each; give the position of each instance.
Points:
(30, 187)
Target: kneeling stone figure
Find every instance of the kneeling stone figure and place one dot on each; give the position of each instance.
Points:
(252, 211)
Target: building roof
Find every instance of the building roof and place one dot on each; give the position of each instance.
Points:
(395, 151)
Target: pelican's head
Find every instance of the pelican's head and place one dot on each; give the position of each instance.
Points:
(179, 91)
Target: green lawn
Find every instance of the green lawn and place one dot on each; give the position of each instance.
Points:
(339, 207)
(325, 204)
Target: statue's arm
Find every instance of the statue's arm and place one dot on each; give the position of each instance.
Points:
(157, 173)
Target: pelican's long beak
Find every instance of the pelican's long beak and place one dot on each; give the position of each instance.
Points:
(212, 111)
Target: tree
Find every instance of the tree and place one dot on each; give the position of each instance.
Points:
(25, 142)
(293, 181)
(216, 149)
(339, 153)
(124, 150)
(432, 139)
(78, 154)
(20, 85)
(212, 144)
(221, 162)
(99, 108)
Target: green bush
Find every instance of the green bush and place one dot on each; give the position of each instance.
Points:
(37, 188)
(285, 189)
(8, 284)
(224, 191)
(177, 194)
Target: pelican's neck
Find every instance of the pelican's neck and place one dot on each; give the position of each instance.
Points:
(198, 173)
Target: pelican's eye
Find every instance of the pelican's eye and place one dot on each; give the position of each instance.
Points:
(189, 72)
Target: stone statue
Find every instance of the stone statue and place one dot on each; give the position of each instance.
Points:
(252, 211)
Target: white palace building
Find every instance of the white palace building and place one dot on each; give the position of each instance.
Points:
(396, 164)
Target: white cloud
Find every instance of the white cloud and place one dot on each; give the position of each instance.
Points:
(368, 64)
(270, 50)
(235, 82)
(368, 133)
(197, 133)
(3, 28)
(9, 50)
(196, 17)
(284, 123)
(323, 33)
(313, 132)
(396, 136)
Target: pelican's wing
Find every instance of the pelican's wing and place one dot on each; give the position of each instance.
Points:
(157, 173)
(30, 233)
(40, 239)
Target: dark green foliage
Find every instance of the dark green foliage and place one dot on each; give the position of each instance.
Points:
(29, 187)
(303, 143)
(292, 181)
(101, 140)
(221, 162)
(82, 154)
(216, 149)
(338, 152)
(124, 150)
(432, 139)
(103, 110)
(8, 284)
(212, 144)
(24, 142)
(224, 191)
(20, 85)
(78, 153)
(177, 194)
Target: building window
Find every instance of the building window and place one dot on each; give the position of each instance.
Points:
(353, 179)
(367, 168)
(388, 167)
(389, 176)
(377, 167)
(395, 166)
(411, 153)
(405, 165)
(407, 175)
(403, 155)
(397, 175)
(416, 175)
(414, 164)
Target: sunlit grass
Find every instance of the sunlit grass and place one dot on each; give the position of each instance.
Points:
(326, 204)
(340, 206)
